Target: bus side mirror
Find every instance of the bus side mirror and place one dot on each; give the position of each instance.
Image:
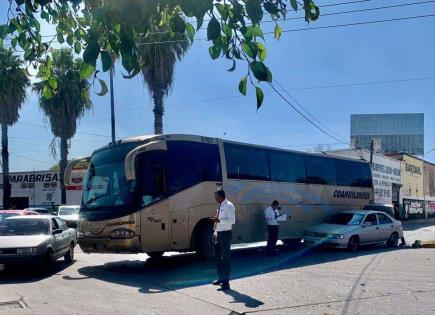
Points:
(72, 165)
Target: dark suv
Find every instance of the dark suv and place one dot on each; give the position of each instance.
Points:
(388, 209)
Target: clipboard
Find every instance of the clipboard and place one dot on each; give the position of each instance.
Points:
(282, 217)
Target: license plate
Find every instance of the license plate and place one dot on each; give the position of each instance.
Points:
(2, 267)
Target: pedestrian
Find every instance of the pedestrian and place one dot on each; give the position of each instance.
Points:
(222, 235)
(398, 217)
(271, 214)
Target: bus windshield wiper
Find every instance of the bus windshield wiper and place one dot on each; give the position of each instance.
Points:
(94, 199)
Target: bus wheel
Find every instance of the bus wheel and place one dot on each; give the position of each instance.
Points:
(155, 255)
(292, 242)
(203, 242)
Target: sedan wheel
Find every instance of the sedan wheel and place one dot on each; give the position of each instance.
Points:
(393, 241)
(353, 243)
(69, 257)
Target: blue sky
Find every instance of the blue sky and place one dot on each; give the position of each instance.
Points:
(205, 99)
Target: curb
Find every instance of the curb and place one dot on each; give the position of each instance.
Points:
(419, 221)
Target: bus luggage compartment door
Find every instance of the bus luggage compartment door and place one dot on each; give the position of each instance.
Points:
(179, 229)
(155, 227)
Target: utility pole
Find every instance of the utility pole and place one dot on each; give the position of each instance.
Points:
(372, 148)
(112, 104)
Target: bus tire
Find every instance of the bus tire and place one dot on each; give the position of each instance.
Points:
(203, 241)
(155, 255)
(292, 242)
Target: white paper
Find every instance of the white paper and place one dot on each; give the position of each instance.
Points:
(282, 217)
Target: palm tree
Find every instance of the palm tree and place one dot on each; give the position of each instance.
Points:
(68, 104)
(158, 62)
(13, 85)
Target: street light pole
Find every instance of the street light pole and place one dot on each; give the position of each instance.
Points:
(112, 105)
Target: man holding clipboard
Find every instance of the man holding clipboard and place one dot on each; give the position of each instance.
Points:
(273, 217)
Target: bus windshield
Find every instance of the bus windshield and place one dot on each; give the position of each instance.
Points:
(105, 184)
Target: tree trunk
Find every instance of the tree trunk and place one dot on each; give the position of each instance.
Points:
(62, 165)
(5, 168)
(159, 111)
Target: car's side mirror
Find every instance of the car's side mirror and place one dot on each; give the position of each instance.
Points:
(367, 224)
(56, 232)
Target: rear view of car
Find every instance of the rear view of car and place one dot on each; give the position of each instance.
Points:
(11, 213)
(70, 214)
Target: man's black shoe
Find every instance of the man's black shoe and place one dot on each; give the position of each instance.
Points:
(224, 287)
(217, 282)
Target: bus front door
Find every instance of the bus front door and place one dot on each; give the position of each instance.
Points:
(155, 227)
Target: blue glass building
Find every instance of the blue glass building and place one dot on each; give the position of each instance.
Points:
(392, 133)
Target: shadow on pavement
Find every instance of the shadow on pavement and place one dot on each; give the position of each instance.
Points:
(184, 270)
(243, 298)
(26, 273)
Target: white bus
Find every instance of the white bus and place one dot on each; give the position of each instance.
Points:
(156, 193)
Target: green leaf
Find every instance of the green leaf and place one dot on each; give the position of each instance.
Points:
(242, 85)
(257, 31)
(260, 70)
(1, 42)
(77, 47)
(106, 61)
(86, 70)
(69, 40)
(104, 88)
(60, 38)
(53, 83)
(271, 8)
(254, 10)
(233, 67)
(46, 92)
(213, 29)
(190, 32)
(214, 51)
(294, 4)
(278, 31)
(262, 52)
(250, 50)
(177, 24)
(260, 97)
(91, 52)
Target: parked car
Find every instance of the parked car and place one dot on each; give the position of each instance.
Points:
(350, 229)
(35, 239)
(70, 214)
(388, 209)
(10, 213)
(43, 211)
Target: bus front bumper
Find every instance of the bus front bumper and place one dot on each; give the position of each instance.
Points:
(108, 245)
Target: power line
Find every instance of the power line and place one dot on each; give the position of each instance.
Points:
(30, 159)
(305, 110)
(304, 116)
(58, 129)
(222, 98)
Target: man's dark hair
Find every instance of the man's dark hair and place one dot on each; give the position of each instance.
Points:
(221, 193)
(275, 203)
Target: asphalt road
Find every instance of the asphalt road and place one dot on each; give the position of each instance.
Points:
(375, 280)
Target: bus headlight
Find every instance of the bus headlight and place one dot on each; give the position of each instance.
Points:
(338, 236)
(122, 233)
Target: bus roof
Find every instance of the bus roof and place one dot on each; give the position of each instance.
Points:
(187, 137)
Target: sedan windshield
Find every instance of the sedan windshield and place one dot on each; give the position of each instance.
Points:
(68, 210)
(12, 227)
(346, 219)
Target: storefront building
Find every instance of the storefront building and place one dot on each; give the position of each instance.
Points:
(42, 189)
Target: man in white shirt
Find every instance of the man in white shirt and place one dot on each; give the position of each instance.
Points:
(222, 235)
(271, 214)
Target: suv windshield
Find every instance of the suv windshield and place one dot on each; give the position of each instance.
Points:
(68, 210)
(105, 184)
(346, 219)
(12, 227)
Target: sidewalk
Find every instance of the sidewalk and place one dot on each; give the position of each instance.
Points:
(419, 221)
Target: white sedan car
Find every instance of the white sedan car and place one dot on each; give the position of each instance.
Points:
(350, 229)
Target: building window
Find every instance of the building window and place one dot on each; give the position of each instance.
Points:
(23, 185)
